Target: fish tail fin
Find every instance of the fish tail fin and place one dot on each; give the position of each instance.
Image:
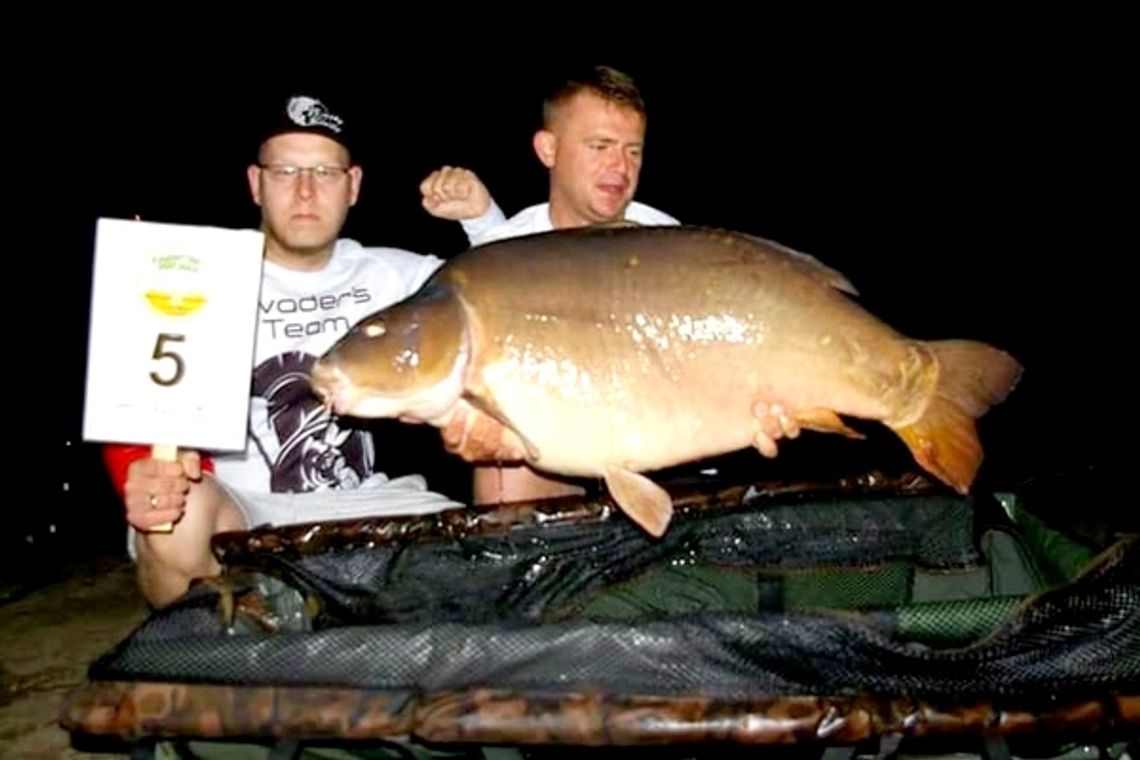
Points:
(972, 377)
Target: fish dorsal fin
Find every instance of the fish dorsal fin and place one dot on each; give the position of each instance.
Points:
(812, 266)
(646, 503)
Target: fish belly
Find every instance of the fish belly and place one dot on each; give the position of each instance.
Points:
(646, 408)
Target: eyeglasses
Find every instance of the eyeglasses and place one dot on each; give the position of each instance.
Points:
(287, 173)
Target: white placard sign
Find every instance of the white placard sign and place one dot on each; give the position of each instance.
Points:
(173, 319)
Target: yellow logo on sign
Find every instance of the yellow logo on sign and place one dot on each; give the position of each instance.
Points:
(175, 304)
(173, 289)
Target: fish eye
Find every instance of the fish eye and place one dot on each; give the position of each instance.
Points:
(374, 329)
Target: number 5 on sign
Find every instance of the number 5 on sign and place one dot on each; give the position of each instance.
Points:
(170, 348)
(161, 353)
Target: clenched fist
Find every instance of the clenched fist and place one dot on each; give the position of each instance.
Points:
(455, 193)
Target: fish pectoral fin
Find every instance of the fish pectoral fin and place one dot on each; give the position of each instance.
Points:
(646, 503)
(826, 421)
(485, 403)
(478, 438)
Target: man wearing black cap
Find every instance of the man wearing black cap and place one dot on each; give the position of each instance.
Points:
(300, 464)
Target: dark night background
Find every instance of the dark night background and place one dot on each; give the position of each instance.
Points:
(967, 183)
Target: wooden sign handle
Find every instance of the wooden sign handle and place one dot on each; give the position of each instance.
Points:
(166, 453)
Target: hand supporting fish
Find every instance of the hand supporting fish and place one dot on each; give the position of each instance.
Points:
(774, 424)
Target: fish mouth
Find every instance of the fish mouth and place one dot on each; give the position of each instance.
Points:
(332, 387)
(341, 396)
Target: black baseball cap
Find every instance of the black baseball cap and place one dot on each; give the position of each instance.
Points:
(305, 112)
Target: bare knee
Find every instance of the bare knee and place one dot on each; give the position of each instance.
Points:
(163, 578)
(168, 562)
(495, 485)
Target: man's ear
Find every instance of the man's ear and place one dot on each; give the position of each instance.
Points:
(253, 174)
(355, 177)
(545, 144)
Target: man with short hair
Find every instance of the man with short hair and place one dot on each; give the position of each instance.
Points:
(592, 142)
(300, 463)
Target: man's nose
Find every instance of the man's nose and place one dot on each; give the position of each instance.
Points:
(618, 160)
(305, 184)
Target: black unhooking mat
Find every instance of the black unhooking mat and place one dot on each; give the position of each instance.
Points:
(762, 616)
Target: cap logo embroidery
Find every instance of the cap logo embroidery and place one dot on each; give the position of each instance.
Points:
(310, 112)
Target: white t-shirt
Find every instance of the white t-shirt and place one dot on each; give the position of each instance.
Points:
(294, 445)
(493, 225)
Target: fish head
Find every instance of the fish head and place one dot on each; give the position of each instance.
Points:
(406, 361)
